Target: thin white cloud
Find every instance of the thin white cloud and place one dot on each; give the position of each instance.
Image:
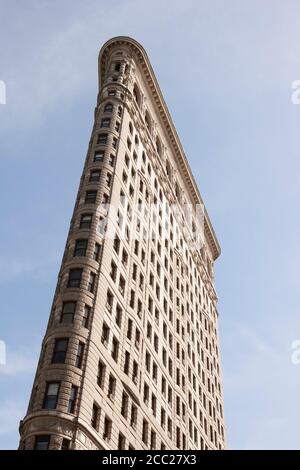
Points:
(14, 268)
(18, 363)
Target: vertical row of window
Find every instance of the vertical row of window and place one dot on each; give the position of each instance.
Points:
(180, 329)
(107, 427)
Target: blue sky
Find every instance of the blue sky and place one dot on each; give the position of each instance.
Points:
(225, 69)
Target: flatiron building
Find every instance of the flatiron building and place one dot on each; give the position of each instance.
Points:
(130, 358)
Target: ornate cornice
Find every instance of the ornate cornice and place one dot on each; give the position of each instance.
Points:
(140, 54)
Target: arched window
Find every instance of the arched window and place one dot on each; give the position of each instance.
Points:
(148, 121)
(130, 128)
(137, 95)
(108, 108)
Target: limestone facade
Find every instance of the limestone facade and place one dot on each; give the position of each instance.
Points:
(130, 358)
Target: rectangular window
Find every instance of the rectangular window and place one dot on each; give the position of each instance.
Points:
(111, 160)
(170, 428)
(90, 197)
(114, 142)
(107, 428)
(72, 399)
(126, 362)
(102, 139)
(95, 175)
(65, 444)
(177, 437)
(86, 221)
(133, 418)
(92, 281)
(42, 442)
(51, 395)
(129, 329)
(60, 350)
(75, 277)
(95, 416)
(101, 374)
(124, 406)
(135, 372)
(105, 122)
(153, 404)
(99, 156)
(153, 440)
(122, 285)
(113, 271)
(97, 250)
(108, 179)
(145, 432)
(163, 418)
(119, 316)
(112, 383)
(79, 355)
(121, 442)
(105, 334)
(68, 312)
(86, 316)
(80, 247)
(115, 349)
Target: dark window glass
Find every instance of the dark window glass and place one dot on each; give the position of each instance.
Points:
(95, 175)
(97, 251)
(86, 316)
(115, 349)
(108, 108)
(126, 362)
(99, 156)
(51, 395)
(107, 428)
(101, 374)
(86, 221)
(92, 281)
(65, 445)
(102, 139)
(90, 197)
(105, 334)
(80, 247)
(42, 442)
(72, 399)
(60, 351)
(79, 355)
(105, 122)
(111, 160)
(75, 277)
(68, 312)
(95, 416)
(121, 442)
